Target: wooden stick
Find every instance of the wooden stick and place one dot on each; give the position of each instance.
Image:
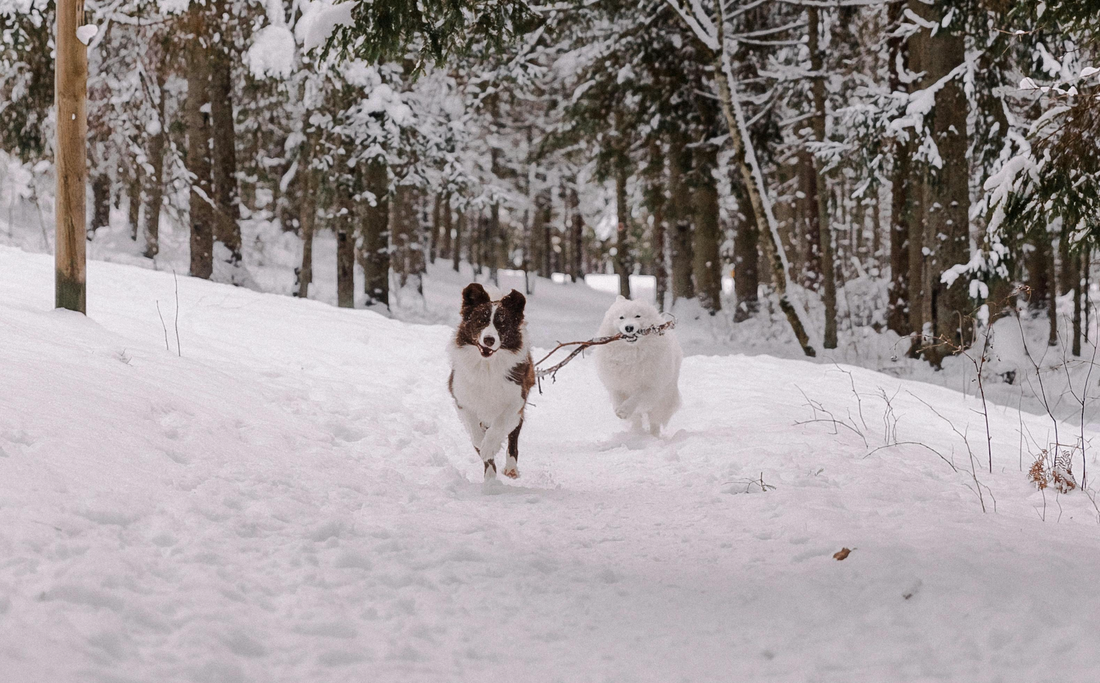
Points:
(598, 341)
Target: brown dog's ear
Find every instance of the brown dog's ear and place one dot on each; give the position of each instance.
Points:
(514, 302)
(474, 295)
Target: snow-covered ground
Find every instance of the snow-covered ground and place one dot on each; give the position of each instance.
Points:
(291, 498)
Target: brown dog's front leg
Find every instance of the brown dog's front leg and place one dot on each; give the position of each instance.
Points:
(511, 465)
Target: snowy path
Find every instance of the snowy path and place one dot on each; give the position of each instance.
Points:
(294, 500)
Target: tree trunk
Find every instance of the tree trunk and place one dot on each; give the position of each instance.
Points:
(496, 243)
(1040, 269)
(1052, 303)
(707, 264)
(446, 216)
(655, 198)
(947, 207)
(745, 157)
(821, 208)
(622, 231)
(622, 261)
(101, 203)
(307, 215)
(198, 146)
(133, 208)
(543, 231)
(917, 197)
(227, 196)
(477, 242)
(408, 251)
(746, 259)
(376, 236)
(1077, 259)
(456, 247)
(437, 226)
(807, 237)
(679, 217)
(898, 298)
(345, 262)
(70, 149)
(158, 135)
(576, 270)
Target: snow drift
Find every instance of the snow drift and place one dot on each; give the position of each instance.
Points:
(288, 496)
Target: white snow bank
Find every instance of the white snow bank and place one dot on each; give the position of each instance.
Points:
(292, 499)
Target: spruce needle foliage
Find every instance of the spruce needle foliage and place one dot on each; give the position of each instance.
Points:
(429, 32)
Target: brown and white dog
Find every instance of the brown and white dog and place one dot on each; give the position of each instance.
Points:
(491, 374)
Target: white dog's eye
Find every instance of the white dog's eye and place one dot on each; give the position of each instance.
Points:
(637, 316)
(620, 317)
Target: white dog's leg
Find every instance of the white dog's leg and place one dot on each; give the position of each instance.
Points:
(661, 413)
(627, 408)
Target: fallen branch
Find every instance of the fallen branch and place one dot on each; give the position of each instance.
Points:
(598, 341)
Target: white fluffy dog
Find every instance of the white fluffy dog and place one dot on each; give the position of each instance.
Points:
(641, 374)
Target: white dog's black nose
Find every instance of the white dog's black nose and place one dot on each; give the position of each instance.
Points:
(629, 329)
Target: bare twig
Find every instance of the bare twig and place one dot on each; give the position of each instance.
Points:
(913, 443)
(966, 442)
(816, 407)
(163, 327)
(598, 341)
(859, 401)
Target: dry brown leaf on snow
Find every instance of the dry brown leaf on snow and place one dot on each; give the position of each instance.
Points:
(842, 554)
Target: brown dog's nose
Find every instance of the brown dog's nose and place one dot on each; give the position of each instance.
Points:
(489, 341)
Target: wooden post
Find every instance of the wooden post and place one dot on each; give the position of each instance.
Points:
(71, 87)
